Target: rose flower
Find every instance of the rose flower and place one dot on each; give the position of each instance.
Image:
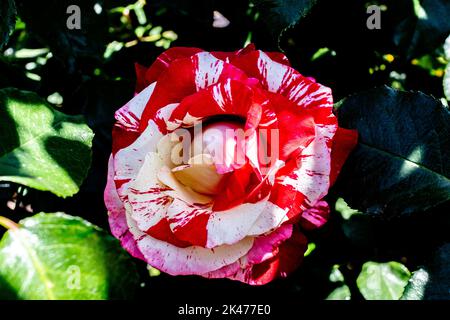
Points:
(220, 161)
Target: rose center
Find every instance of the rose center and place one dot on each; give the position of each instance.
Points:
(212, 152)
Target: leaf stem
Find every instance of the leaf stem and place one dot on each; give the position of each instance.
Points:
(8, 224)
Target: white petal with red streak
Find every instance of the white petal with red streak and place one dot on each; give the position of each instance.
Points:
(117, 214)
(129, 115)
(312, 177)
(185, 261)
(128, 161)
(264, 248)
(148, 205)
(232, 225)
(208, 71)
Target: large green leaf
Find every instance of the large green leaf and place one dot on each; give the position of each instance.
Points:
(57, 256)
(382, 281)
(282, 14)
(7, 20)
(401, 164)
(41, 147)
(431, 282)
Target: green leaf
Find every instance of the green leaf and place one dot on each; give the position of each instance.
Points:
(41, 147)
(340, 293)
(282, 14)
(57, 256)
(7, 20)
(401, 164)
(382, 281)
(432, 281)
(426, 29)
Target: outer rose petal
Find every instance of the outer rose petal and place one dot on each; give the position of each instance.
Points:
(279, 78)
(289, 257)
(185, 77)
(117, 215)
(264, 247)
(230, 56)
(165, 59)
(305, 180)
(344, 142)
(315, 217)
(191, 260)
(125, 130)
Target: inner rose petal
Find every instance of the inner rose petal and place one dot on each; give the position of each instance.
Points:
(200, 175)
(224, 142)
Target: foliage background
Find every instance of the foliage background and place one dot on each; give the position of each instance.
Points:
(90, 72)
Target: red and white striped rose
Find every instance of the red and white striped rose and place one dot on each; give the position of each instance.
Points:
(212, 214)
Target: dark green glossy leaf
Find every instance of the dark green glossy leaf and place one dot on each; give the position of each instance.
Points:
(431, 282)
(401, 164)
(57, 256)
(41, 147)
(382, 281)
(282, 14)
(425, 29)
(7, 20)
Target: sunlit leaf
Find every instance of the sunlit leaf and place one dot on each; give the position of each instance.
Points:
(57, 256)
(382, 281)
(41, 147)
(340, 293)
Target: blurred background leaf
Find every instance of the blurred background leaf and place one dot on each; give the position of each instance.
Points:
(7, 20)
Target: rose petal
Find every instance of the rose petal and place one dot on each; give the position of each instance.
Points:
(289, 257)
(344, 142)
(264, 247)
(316, 216)
(186, 76)
(117, 215)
